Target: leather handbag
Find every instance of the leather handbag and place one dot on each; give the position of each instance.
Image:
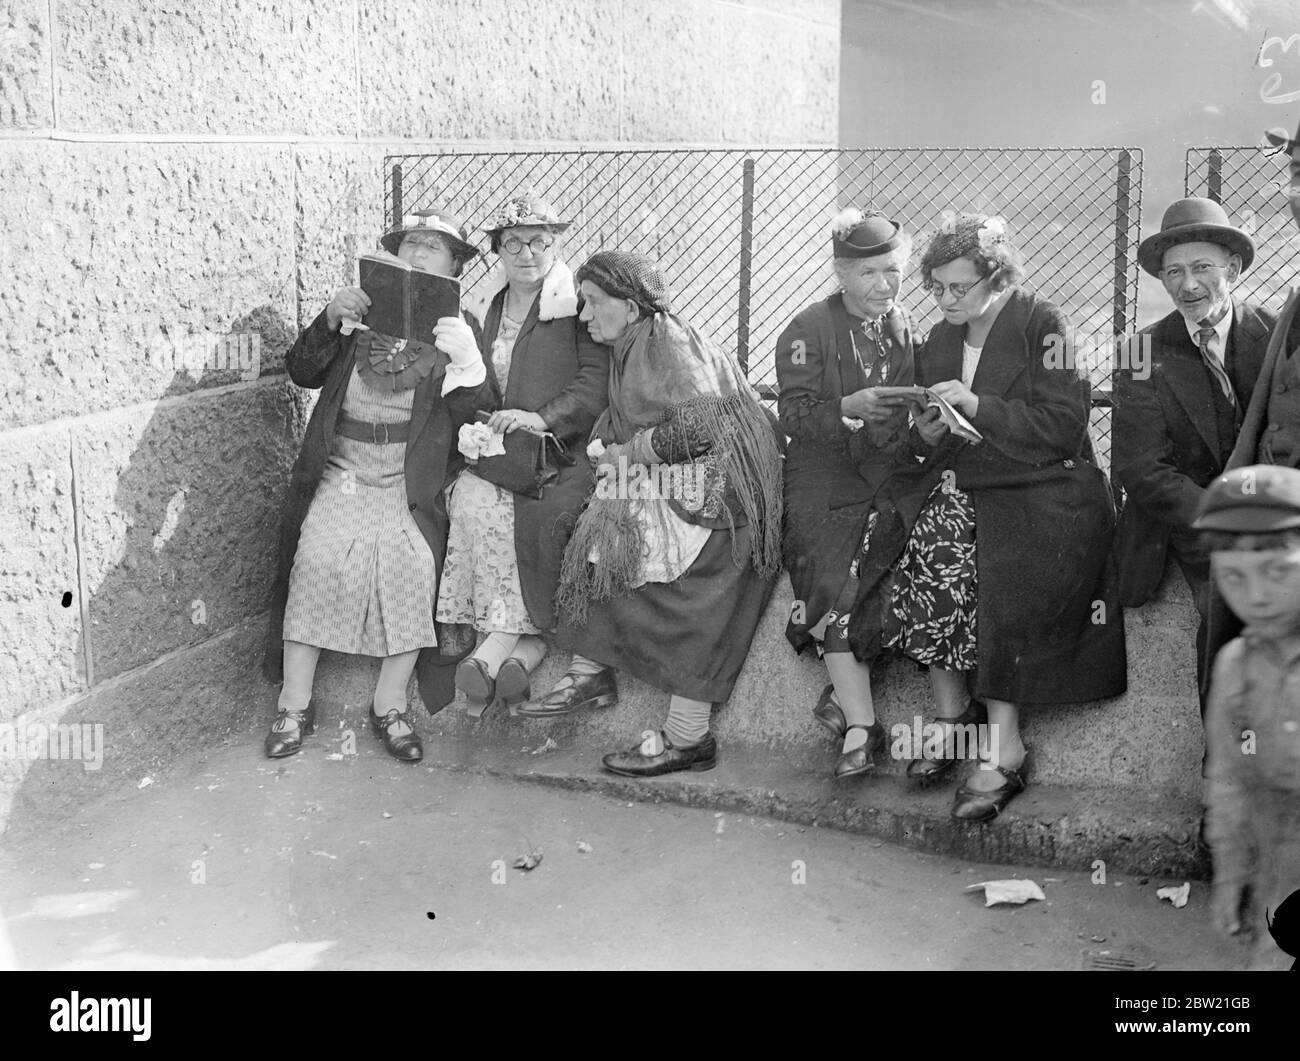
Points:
(531, 462)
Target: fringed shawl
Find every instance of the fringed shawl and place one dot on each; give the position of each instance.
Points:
(663, 371)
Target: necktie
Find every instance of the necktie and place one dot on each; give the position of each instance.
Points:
(1220, 374)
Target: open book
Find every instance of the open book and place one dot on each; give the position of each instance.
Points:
(923, 398)
(405, 302)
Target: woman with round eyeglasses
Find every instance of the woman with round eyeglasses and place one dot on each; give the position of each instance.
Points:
(547, 375)
(1005, 590)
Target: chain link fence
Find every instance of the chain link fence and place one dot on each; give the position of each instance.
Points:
(1251, 184)
(743, 236)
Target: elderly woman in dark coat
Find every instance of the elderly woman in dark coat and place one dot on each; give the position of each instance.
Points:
(851, 493)
(545, 375)
(674, 557)
(365, 525)
(1006, 582)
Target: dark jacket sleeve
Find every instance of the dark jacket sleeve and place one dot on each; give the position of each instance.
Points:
(309, 359)
(807, 415)
(1053, 423)
(1143, 454)
(572, 413)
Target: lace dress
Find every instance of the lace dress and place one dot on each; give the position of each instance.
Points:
(480, 579)
(363, 577)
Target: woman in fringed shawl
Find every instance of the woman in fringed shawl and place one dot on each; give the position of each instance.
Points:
(673, 560)
(852, 487)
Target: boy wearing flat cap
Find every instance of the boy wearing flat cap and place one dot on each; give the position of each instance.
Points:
(1250, 523)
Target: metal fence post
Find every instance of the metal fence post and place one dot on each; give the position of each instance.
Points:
(1123, 205)
(1215, 190)
(397, 194)
(746, 263)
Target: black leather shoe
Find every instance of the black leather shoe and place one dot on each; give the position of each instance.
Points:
(634, 763)
(862, 759)
(932, 771)
(585, 692)
(972, 806)
(829, 714)
(513, 684)
(403, 746)
(287, 731)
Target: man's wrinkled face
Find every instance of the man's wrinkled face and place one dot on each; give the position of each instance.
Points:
(1199, 278)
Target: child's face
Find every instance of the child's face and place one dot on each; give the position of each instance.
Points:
(1262, 588)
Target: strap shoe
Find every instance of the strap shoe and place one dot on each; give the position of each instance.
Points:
(287, 731)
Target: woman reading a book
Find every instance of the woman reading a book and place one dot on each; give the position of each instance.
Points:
(674, 557)
(546, 375)
(1005, 589)
(364, 528)
(851, 495)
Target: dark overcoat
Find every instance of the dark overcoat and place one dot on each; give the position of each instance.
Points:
(1166, 442)
(834, 477)
(560, 373)
(324, 359)
(1281, 343)
(1048, 620)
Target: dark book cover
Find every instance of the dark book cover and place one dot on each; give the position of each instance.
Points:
(404, 302)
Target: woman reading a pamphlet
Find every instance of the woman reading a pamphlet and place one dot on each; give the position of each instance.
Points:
(1005, 590)
(845, 369)
(547, 378)
(365, 528)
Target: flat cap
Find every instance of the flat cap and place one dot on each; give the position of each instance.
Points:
(1254, 500)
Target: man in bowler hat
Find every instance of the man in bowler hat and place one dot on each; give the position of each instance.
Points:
(1178, 413)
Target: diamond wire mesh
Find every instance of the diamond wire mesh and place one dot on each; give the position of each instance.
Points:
(686, 209)
(1251, 184)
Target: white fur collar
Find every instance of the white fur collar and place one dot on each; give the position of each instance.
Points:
(559, 297)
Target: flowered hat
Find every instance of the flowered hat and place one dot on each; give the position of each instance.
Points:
(526, 209)
(432, 220)
(855, 234)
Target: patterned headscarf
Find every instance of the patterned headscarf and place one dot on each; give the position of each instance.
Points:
(630, 276)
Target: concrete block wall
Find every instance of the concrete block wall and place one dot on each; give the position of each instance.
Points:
(177, 175)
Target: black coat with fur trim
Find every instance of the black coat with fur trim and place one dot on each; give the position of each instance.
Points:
(559, 372)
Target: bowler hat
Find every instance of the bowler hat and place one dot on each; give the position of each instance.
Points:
(433, 220)
(1255, 500)
(1194, 220)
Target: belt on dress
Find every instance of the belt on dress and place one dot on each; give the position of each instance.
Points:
(379, 434)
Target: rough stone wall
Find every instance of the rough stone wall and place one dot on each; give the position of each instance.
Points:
(182, 181)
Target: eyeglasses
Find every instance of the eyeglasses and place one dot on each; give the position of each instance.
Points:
(538, 244)
(957, 291)
(1200, 271)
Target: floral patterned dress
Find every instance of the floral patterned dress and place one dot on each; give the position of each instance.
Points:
(480, 579)
(935, 586)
